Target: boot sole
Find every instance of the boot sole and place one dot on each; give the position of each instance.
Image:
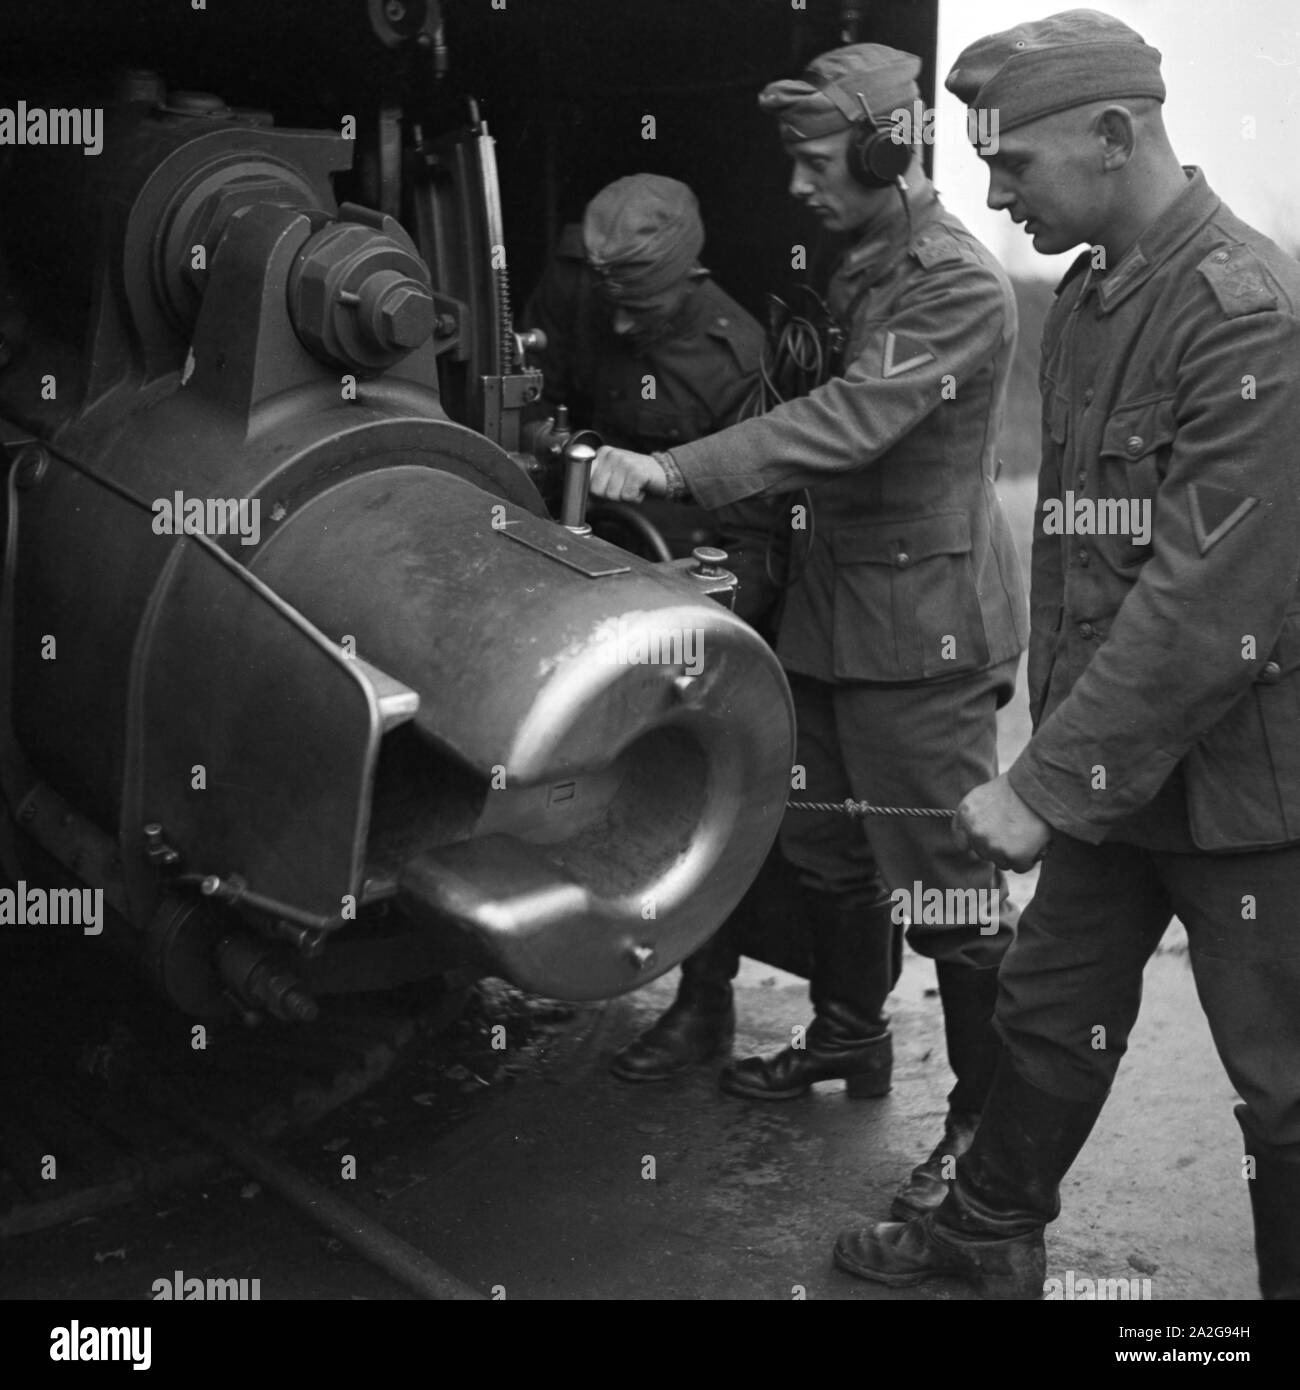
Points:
(893, 1281)
(735, 1088)
(860, 1087)
(723, 1049)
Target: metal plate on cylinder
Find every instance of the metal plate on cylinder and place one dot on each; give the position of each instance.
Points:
(594, 558)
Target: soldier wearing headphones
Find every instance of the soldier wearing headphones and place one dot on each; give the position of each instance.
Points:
(905, 620)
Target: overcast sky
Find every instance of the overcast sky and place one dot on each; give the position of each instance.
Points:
(1224, 61)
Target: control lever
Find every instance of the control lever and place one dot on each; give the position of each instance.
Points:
(578, 455)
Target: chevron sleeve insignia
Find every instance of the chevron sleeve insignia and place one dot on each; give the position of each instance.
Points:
(903, 354)
(1215, 511)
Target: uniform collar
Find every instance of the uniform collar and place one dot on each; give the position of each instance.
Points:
(885, 241)
(1184, 217)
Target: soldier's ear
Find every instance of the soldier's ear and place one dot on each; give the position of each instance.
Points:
(1115, 128)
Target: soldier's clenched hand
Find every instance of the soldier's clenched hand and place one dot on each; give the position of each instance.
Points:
(623, 476)
(993, 822)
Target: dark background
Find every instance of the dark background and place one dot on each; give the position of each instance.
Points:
(563, 85)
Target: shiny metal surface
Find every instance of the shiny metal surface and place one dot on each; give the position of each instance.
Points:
(409, 693)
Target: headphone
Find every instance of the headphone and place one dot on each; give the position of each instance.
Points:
(874, 157)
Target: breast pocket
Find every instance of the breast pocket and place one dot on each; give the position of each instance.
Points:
(906, 602)
(1136, 445)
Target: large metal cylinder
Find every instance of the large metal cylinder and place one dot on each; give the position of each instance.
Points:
(383, 682)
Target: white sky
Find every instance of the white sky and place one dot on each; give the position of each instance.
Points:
(1223, 61)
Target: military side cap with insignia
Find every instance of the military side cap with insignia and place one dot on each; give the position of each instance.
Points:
(642, 235)
(1050, 65)
(842, 87)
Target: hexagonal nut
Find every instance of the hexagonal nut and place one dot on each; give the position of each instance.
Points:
(407, 315)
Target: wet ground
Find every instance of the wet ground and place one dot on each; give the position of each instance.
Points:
(531, 1173)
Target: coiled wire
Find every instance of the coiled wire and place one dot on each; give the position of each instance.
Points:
(801, 353)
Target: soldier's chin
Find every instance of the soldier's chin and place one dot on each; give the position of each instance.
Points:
(1049, 243)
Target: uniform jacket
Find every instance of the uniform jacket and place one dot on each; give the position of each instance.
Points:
(907, 571)
(705, 369)
(1165, 676)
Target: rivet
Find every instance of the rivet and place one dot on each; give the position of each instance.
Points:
(642, 956)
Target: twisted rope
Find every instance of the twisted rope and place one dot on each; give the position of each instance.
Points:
(864, 808)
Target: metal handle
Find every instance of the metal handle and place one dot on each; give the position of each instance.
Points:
(579, 455)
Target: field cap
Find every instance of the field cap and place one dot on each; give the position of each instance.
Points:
(1049, 65)
(837, 88)
(642, 235)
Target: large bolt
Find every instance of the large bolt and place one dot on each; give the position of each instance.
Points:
(406, 313)
(394, 310)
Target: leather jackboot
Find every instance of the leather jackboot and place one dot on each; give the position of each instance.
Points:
(1275, 1205)
(968, 996)
(989, 1229)
(699, 1024)
(854, 967)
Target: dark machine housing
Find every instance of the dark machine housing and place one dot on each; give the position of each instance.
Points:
(299, 669)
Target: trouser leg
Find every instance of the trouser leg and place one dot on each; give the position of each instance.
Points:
(854, 939)
(928, 746)
(1070, 988)
(1240, 913)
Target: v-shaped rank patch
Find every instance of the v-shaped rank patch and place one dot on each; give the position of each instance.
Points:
(902, 354)
(1215, 511)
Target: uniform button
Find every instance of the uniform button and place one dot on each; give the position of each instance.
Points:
(674, 433)
(1220, 256)
(1086, 630)
(1084, 557)
(722, 323)
(1271, 674)
(1134, 443)
(1088, 395)
(1081, 481)
(902, 559)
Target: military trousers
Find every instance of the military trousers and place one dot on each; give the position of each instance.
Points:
(1070, 986)
(903, 745)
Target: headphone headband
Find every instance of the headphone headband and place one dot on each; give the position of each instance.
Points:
(854, 114)
(875, 158)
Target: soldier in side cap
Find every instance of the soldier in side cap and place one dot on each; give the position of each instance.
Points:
(903, 630)
(625, 300)
(1163, 775)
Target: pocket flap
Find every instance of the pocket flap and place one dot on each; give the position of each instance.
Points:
(1135, 430)
(900, 543)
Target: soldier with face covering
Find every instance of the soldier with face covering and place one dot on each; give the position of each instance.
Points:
(647, 349)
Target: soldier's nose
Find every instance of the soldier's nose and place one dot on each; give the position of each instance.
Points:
(999, 197)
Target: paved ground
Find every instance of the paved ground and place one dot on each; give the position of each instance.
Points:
(550, 1194)
(556, 1181)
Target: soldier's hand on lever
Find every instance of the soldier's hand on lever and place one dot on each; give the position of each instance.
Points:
(623, 476)
(993, 822)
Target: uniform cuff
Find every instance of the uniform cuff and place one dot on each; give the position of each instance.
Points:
(677, 488)
(1039, 798)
